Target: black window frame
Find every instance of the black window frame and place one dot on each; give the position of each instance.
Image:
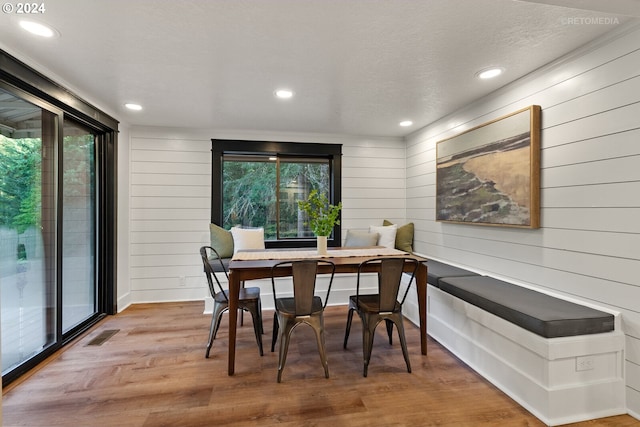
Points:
(332, 152)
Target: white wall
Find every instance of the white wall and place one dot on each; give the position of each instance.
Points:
(589, 243)
(169, 204)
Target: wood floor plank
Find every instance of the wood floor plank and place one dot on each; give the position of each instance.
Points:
(153, 373)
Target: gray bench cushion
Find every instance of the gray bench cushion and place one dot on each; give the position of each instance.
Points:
(539, 313)
(437, 270)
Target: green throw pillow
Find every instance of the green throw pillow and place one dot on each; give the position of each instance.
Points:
(221, 241)
(404, 236)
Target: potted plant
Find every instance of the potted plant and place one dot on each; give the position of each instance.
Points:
(322, 216)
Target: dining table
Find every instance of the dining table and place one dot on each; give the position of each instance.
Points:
(257, 264)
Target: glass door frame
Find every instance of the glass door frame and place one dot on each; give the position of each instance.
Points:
(30, 85)
(102, 308)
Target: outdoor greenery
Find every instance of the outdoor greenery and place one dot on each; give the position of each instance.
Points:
(256, 194)
(20, 176)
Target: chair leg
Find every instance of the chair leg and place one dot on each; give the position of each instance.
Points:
(403, 342)
(242, 311)
(218, 321)
(255, 314)
(389, 330)
(260, 311)
(218, 311)
(274, 337)
(285, 335)
(348, 330)
(212, 329)
(317, 323)
(368, 334)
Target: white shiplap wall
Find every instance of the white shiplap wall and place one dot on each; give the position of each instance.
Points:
(373, 183)
(589, 244)
(170, 187)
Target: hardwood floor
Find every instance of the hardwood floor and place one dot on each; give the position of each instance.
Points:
(153, 372)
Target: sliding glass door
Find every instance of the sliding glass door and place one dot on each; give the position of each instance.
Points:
(49, 283)
(58, 216)
(27, 230)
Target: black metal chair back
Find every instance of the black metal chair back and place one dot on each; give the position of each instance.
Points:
(209, 255)
(389, 280)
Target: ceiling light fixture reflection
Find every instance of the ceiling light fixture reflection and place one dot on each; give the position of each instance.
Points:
(489, 73)
(132, 106)
(284, 93)
(38, 28)
(405, 123)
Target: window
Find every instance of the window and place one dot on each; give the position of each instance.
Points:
(258, 184)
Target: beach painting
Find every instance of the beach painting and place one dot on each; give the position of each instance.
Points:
(490, 175)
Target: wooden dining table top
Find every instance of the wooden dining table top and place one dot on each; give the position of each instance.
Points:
(340, 256)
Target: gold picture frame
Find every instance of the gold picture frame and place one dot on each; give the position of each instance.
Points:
(490, 174)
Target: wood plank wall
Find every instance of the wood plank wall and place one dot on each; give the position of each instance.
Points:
(170, 190)
(589, 244)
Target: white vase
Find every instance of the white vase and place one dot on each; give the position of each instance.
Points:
(322, 245)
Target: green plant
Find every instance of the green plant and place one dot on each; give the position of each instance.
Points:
(322, 215)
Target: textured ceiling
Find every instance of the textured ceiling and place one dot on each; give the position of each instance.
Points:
(357, 67)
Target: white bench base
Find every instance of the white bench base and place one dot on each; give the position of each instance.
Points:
(559, 380)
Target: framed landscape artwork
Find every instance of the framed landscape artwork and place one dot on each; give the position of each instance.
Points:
(490, 175)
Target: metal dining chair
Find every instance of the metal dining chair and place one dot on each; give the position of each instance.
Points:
(384, 305)
(249, 299)
(303, 307)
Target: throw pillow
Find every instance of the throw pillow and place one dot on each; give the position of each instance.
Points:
(247, 238)
(361, 238)
(221, 240)
(404, 236)
(387, 235)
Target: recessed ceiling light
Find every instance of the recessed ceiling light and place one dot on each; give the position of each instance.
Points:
(489, 73)
(405, 123)
(132, 106)
(38, 28)
(284, 93)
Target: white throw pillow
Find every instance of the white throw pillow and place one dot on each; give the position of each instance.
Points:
(247, 238)
(387, 234)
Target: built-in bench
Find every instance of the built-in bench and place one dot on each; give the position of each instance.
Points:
(542, 314)
(437, 270)
(562, 360)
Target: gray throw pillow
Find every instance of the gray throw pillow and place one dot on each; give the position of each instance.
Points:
(361, 238)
